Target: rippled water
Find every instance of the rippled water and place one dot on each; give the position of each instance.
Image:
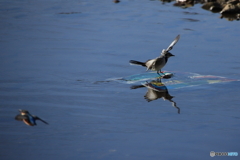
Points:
(55, 58)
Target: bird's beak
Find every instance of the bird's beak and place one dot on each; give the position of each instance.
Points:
(170, 54)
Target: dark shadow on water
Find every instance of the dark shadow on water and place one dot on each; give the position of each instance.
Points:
(69, 13)
(156, 90)
(190, 19)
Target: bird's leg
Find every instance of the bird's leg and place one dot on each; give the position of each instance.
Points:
(158, 72)
(174, 104)
(161, 72)
(160, 77)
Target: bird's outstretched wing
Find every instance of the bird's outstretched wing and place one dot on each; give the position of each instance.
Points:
(173, 43)
(20, 117)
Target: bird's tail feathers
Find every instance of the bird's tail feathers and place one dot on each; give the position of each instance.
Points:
(137, 63)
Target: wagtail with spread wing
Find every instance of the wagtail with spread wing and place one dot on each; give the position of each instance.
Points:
(158, 63)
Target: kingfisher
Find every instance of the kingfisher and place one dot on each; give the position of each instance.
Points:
(27, 118)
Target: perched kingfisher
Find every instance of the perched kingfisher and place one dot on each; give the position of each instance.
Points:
(27, 118)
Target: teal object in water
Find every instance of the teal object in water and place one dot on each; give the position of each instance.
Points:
(172, 80)
(146, 76)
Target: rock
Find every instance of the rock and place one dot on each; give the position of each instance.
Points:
(184, 3)
(230, 17)
(116, 1)
(232, 6)
(213, 6)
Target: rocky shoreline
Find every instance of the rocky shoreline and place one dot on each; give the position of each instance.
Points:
(229, 9)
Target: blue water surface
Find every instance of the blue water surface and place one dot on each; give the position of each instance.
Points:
(55, 59)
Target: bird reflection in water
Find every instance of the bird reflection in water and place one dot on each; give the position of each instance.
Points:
(27, 118)
(156, 90)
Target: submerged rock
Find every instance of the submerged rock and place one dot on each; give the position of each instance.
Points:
(230, 17)
(116, 1)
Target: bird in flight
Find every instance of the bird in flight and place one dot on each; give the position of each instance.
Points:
(27, 118)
